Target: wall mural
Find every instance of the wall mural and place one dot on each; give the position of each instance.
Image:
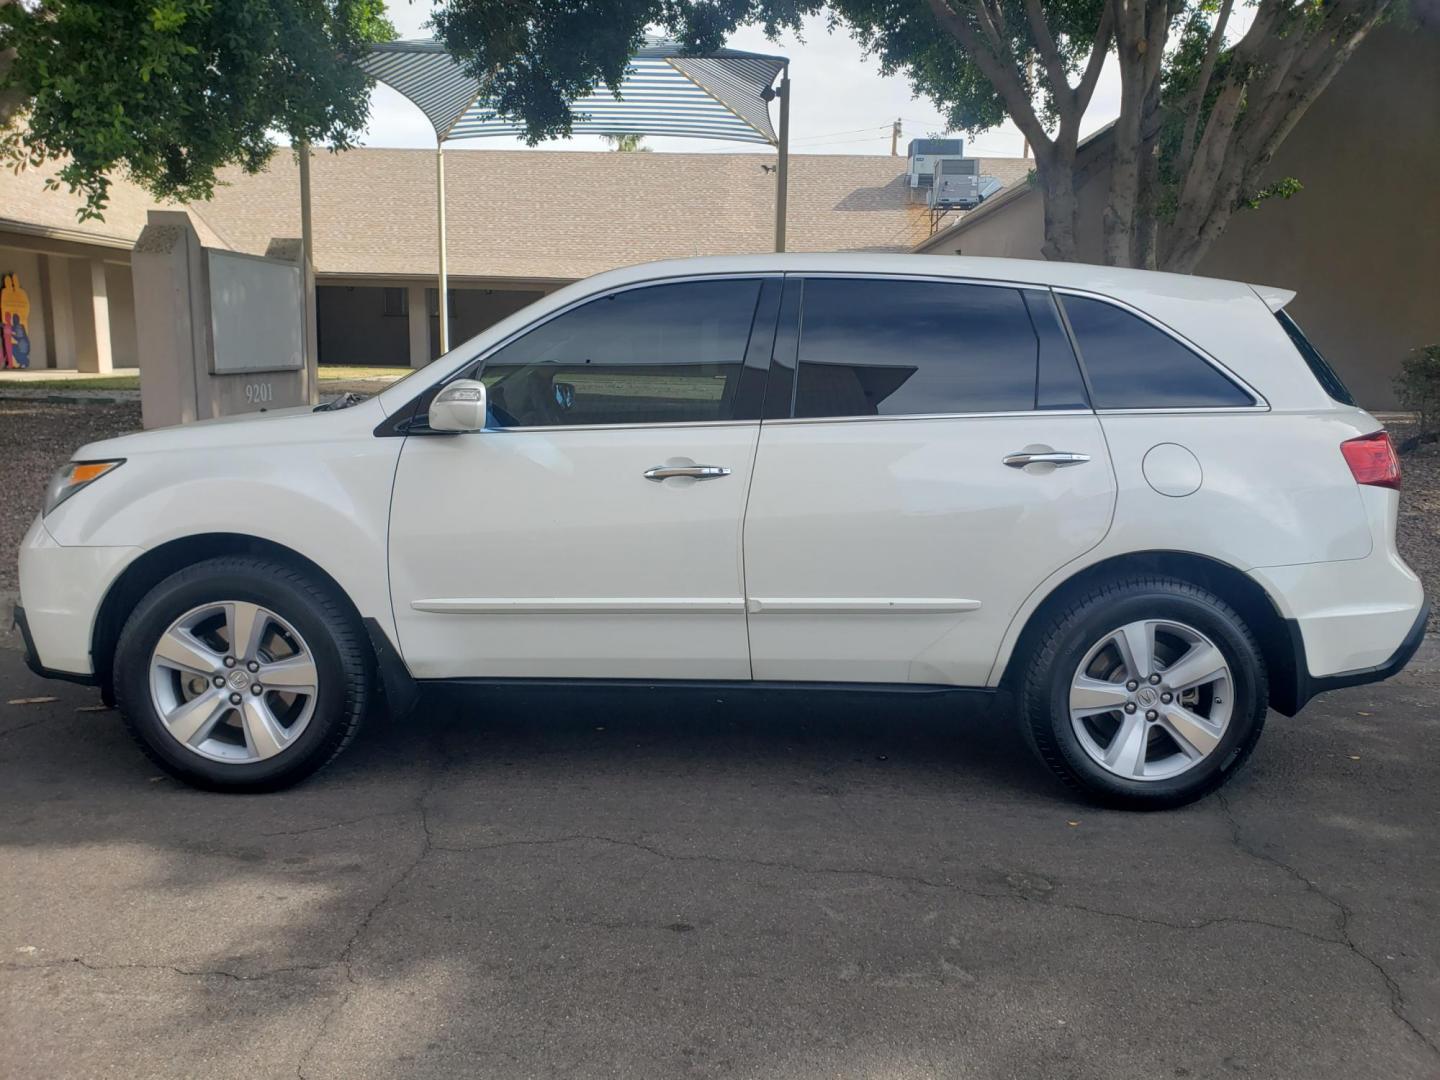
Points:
(14, 323)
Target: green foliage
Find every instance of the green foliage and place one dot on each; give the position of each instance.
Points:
(1283, 188)
(626, 142)
(540, 54)
(1418, 387)
(169, 91)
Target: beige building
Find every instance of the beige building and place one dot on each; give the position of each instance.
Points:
(1361, 242)
(76, 274)
(520, 223)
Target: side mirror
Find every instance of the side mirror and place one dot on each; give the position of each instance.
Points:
(459, 407)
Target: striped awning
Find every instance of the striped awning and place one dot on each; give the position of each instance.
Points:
(715, 95)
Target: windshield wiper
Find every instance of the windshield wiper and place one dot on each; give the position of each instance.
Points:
(341, 401)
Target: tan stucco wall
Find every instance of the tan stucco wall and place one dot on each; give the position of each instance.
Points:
(1361, 242)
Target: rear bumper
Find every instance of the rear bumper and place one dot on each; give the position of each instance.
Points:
(1305, 686)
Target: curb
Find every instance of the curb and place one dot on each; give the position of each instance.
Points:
(99, 397)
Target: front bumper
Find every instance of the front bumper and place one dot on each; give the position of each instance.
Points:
(61, 590)
(32, 657)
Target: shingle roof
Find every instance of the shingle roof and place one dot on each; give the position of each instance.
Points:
(522, 214)
(26, 206)
(561, 215)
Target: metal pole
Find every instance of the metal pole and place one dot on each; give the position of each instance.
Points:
(782, 167)
(307, 272)
(444, 276)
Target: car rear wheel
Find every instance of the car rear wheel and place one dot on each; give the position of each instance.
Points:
(1145, 693)
(242, 674)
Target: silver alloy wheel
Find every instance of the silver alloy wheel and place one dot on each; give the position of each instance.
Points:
(1151, 700)
(233, 682)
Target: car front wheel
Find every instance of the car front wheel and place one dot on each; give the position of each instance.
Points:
(1146, 693)
(242, 674)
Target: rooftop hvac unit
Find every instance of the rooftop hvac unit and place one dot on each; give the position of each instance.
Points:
(956, 183)
(923, 154)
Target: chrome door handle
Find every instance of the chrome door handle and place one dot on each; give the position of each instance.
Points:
(1058, 458)
(695, 472)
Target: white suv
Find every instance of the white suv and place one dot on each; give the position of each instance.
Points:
(1140, 504)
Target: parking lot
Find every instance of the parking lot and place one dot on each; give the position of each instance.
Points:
(648, 885)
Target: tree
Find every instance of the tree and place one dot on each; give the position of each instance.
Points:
(626, 141)
(169, 91)
(1201, 115)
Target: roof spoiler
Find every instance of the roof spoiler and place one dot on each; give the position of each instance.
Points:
(1275, 298)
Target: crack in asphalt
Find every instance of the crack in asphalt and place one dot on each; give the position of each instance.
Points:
(906, 879)
(1342, 922)
(428, 846)
(22, 727)
(343, 961)
(339, 824)
(175, 969)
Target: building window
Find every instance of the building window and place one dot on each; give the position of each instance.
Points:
(396, 303)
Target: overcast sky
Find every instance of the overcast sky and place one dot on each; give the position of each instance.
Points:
(840, 103)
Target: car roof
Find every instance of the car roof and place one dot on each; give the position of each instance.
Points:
(1229, 321)
(1087, 277)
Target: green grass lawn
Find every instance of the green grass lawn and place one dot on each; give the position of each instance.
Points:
(328, 373)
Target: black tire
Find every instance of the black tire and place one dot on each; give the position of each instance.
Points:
(322, 617)
(1063, 641)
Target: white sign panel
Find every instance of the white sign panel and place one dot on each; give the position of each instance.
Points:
(257, 313)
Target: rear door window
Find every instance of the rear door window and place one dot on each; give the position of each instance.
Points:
(892, 347)
(1133, 364)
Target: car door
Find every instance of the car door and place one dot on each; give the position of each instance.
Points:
(929, 456)
(593, 529)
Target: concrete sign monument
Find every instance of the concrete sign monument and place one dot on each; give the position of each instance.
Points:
(219, 332)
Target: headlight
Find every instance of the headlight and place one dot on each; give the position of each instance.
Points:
(73, 476)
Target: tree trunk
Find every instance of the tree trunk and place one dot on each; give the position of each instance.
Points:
(10, 100)
(1118, 220)
(1062, 208)
(1293, 70)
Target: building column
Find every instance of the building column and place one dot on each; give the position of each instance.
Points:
(92, 317)
(63, 351)
(418, 316)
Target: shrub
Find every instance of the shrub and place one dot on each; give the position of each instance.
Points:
(1418, 387)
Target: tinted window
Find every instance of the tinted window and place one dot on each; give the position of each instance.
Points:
(892, 348)
(1058, 384)
(1134, 365)
(660, 354)
(1319, 366)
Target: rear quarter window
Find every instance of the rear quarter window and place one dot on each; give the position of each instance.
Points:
(1324, 374)
(1132, 364)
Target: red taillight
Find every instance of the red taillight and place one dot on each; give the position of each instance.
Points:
(1372, 460)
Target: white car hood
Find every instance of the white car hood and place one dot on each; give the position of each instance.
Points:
(299, 424)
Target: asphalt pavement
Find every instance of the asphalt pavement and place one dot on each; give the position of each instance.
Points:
(638, 884)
